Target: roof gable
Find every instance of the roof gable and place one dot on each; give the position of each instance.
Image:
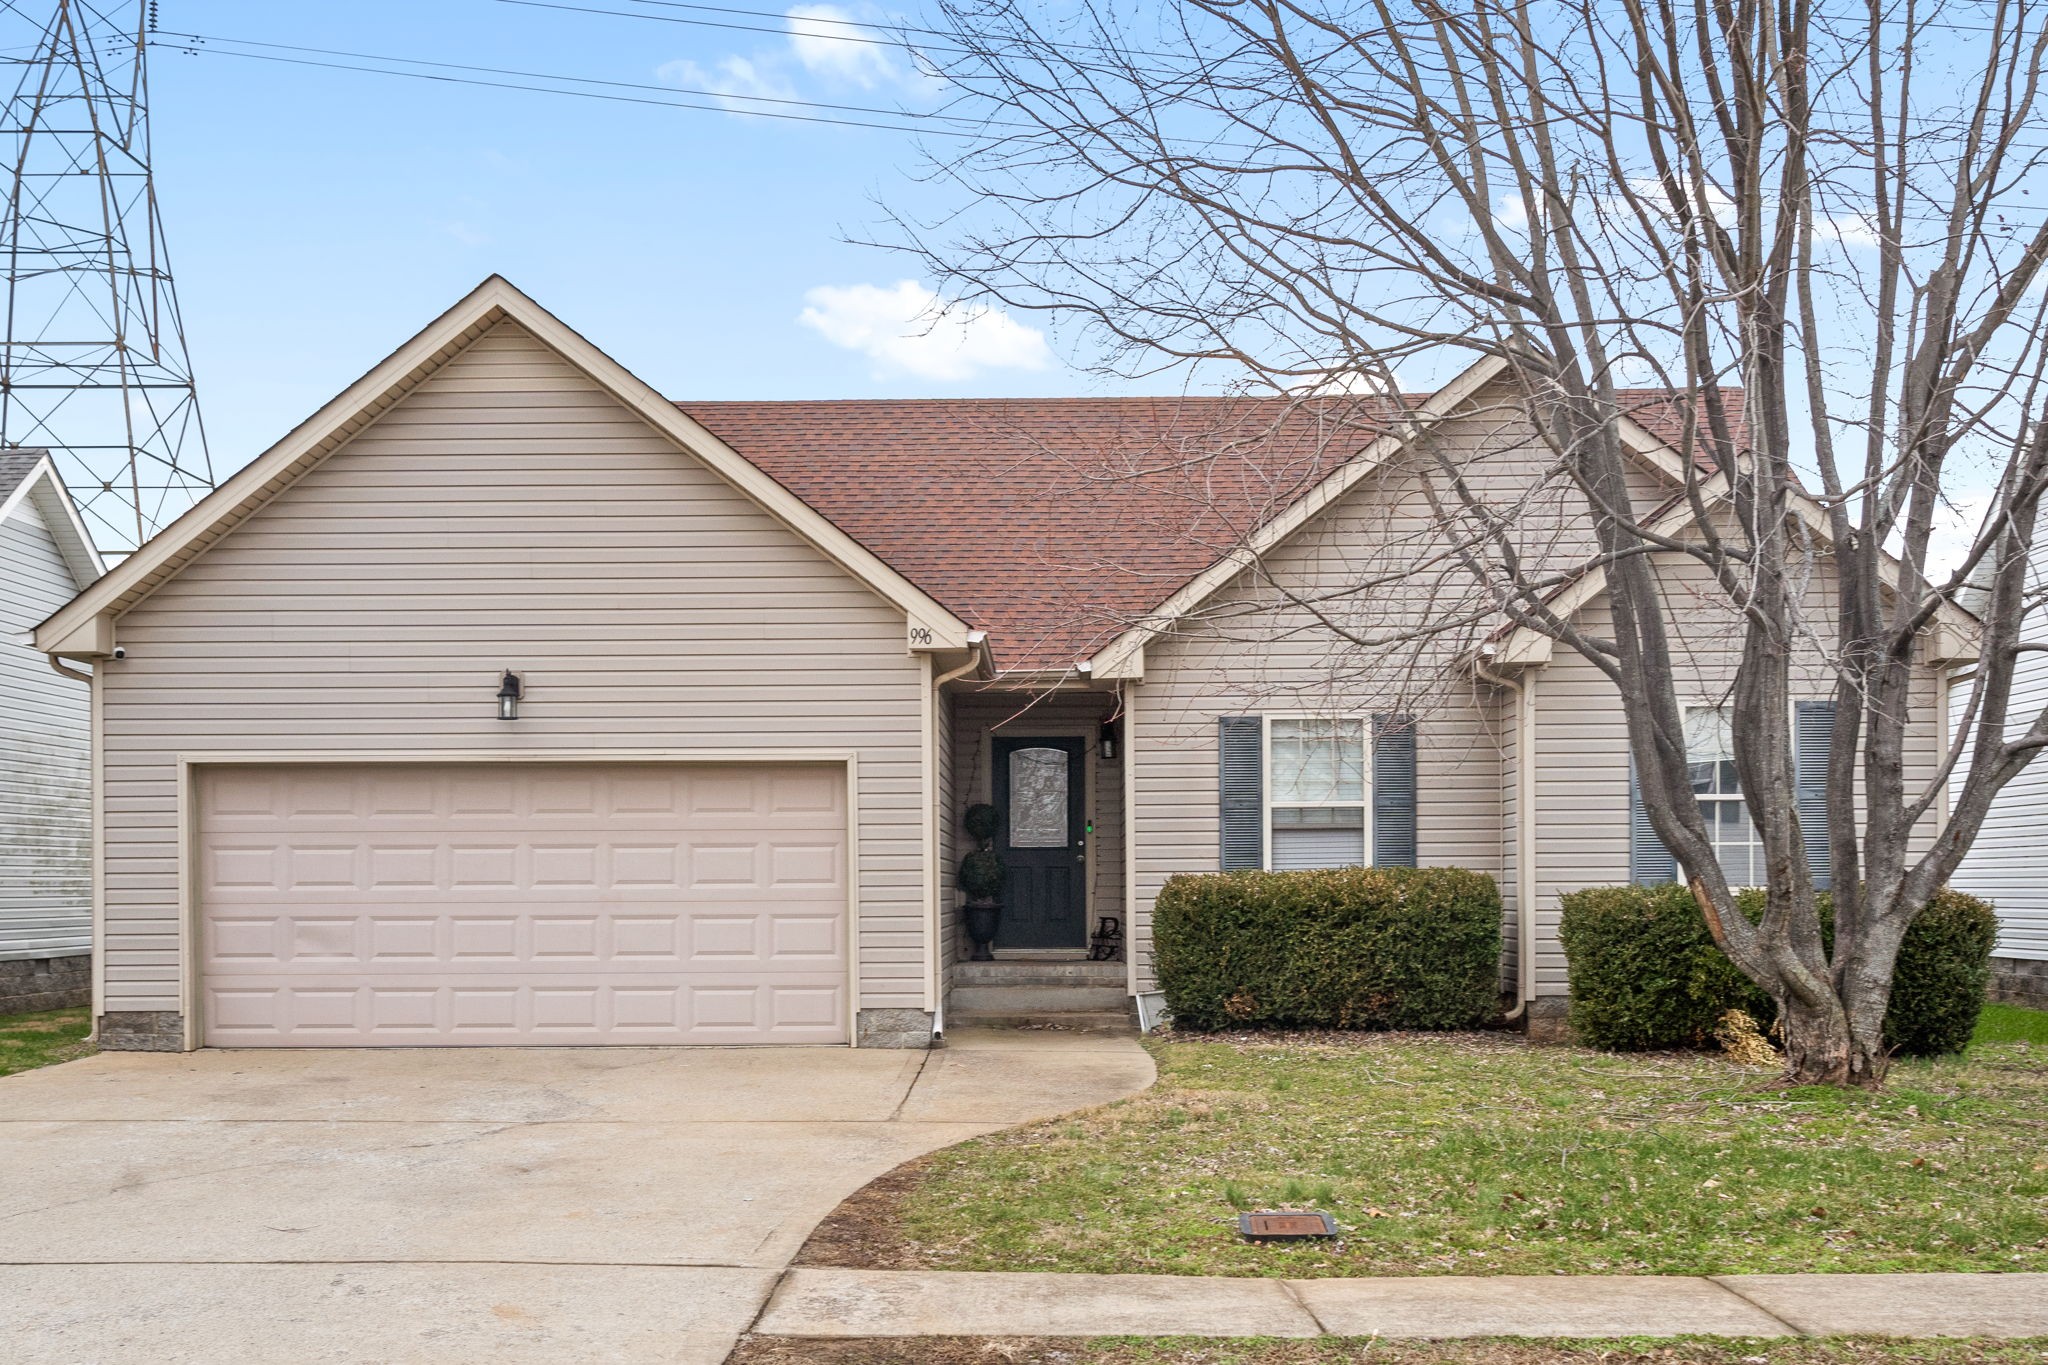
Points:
(29, 477)
(84, 627)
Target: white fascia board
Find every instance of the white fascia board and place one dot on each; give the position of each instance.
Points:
(929, 625)
(1954, 634)
(1123, 657)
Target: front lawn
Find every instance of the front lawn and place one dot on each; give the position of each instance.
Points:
(1473, 1153)
(28, 1041)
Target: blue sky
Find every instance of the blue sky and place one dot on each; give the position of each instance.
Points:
(316, 218)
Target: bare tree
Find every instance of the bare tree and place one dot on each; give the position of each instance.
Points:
(1821, 229)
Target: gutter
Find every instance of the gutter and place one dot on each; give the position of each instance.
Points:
(1525, 832)
(935, 921)
(99, 938)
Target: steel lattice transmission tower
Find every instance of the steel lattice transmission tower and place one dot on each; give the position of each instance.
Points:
(93, 364)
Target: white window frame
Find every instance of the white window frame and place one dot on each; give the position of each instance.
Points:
(1686, 709)
(1364, 803)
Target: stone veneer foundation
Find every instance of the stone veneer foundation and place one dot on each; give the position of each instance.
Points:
(29, 985)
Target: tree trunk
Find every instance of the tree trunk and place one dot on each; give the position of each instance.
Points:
(1818, 1046)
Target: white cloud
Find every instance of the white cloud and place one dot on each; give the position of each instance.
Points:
(906, 329)
(1348, 382)
(1846, 229)
(829, 43)
(731, 81)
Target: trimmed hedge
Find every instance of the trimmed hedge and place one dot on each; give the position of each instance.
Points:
(1645, 973)
(1350, 948)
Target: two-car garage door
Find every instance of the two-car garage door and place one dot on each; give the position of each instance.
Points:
(415, 904)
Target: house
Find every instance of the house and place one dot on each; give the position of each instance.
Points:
(46, 556)
(2002, 865)
(505, 701)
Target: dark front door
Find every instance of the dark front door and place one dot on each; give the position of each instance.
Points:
(1044, 843)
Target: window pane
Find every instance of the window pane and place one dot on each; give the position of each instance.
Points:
(1311, 837)
(1710, 751)
(1318, 760)
(1038, 798)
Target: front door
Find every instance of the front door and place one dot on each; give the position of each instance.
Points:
(1043, 840)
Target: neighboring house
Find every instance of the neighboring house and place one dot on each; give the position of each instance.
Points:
(2005, 865)
(761, 656)
(45, 747)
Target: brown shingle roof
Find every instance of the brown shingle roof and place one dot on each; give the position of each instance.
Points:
(1052, 523)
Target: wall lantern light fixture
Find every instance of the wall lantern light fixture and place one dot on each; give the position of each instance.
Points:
(1109, 740)
(509, 693)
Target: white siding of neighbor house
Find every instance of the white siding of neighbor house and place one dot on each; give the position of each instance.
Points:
(979, 716)
(510, 513)
(45, 757)
(2005, 864)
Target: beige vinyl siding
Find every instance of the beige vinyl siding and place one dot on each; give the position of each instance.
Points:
(509, 513)
(1457, 761)
(977, 716)
(1582, 829)
(45, 757)
(1256, 653)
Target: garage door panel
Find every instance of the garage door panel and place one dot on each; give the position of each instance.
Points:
(512, 937)
(312, 1013)
(370, 906)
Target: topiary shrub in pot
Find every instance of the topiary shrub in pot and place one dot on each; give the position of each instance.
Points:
(981, 876)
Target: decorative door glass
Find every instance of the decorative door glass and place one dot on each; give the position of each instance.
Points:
(1038, 798)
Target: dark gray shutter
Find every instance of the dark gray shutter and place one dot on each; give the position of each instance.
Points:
(1813, 738)
(1393, 791)
(1240, 745)
(1649, 862)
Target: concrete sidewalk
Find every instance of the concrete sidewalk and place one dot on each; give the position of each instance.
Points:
(892, 1303)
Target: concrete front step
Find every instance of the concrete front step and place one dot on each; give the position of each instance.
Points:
(1013, 971)
(1024, 999)
(1081, 1021)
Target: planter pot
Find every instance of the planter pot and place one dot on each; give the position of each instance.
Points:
(982, 918)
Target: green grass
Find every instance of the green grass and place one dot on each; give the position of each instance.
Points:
(28, 1041)
(2010, 1024)
(1476, 1154)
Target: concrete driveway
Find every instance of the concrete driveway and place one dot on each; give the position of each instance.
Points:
(461, 1205)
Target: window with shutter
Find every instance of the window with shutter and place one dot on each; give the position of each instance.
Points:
(1813, 739)
(1240, 746)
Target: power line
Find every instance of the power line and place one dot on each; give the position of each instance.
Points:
(885, 111)
(584, 94)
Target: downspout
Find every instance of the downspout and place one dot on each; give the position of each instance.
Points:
(99, 938)
(935, 924)
(1525, 833)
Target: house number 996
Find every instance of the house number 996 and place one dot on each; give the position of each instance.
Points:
(920, 635)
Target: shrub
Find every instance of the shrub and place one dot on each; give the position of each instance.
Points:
(1646, 974)
(1355, 948)
(1944, 968)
